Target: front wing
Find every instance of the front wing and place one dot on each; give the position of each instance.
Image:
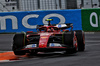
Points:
(46, 49)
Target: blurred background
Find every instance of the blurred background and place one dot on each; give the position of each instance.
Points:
(30, 5)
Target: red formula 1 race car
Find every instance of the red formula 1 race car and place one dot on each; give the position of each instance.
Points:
(49, 39)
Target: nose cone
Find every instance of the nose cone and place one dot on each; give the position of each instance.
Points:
(44, 37)
(43, 41)
(43, 45)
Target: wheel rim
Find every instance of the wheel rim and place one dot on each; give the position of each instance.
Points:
(75, 42)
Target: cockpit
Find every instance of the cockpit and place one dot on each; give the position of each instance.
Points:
(48, 29)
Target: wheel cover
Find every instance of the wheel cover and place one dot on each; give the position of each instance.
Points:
(75, 42)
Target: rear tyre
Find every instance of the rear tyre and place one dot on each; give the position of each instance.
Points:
(19, 41)
(81, 40)
(68, 39)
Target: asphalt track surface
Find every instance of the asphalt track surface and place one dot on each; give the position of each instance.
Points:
(90, 57)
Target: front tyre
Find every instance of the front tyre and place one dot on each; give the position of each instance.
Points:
(19, 41)
(69, 38)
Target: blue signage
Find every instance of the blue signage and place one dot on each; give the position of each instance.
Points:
(28, 20)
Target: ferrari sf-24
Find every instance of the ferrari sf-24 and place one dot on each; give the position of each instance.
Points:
(49, 38)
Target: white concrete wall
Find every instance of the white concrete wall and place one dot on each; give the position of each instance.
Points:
(96, 2)
(78, 3)
(28, 5)
(50, 4)
(31, 5)
(87, 4)
(41, 5)
(35, 5)
(47, 4)
(1, 5)
(57, 4)
(63, 4)
(7, 8)
(25, 5)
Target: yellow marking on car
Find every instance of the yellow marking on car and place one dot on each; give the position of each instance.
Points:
(44, 37)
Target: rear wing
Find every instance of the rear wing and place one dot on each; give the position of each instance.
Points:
(64, 26)
(60, 26)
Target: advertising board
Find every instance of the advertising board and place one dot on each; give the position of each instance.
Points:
(28, 20)
(91, 19)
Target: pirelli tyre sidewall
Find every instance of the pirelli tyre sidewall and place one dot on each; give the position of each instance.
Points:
(19, 41)
(69, 38)
(81, 40)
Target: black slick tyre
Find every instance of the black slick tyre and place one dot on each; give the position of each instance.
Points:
(68, 38)
(81, 40)
(19, 41)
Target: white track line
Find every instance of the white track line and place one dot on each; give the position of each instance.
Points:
(5, 61)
